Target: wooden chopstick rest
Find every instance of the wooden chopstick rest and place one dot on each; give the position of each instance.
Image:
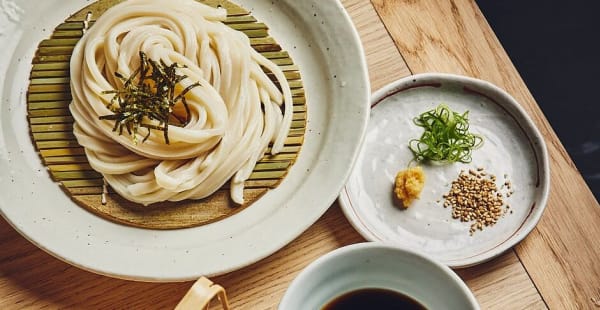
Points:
(200, 295)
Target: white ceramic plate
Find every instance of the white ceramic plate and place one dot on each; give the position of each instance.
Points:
(512, 146)
(322, 41)
(374, 265)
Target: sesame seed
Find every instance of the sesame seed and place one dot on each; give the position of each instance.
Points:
(474, 197)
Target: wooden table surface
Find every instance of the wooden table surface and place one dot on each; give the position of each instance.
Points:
(557, 266)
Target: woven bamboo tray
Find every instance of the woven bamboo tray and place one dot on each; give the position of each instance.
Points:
(51, 125)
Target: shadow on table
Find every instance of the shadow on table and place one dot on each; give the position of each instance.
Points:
(40, 279)
(31, 278)
(553, 45)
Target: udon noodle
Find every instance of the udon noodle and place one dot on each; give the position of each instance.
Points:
(235, 113)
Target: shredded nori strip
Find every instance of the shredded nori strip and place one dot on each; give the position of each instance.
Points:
(148, 95)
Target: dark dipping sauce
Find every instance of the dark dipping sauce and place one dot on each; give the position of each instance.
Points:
(373, 298)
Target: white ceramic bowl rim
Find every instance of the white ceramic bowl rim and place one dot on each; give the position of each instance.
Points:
(306, 273)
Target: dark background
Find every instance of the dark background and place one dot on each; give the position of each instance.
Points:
(555, 46)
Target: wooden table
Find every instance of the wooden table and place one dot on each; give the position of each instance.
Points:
(557, 266)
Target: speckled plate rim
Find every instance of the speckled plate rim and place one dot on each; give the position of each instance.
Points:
(321, 39)
(500, 97)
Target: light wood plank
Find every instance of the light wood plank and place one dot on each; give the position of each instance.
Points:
(383, 58)
(561, 255)
(501, 283)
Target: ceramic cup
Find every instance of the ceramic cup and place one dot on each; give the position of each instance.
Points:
(375, 265)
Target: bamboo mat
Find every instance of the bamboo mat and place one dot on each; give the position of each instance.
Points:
(51, 125)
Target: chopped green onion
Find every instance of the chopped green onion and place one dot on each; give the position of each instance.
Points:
(446, 137)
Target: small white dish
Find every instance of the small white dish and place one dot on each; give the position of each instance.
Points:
(376, 265)
(512, 146)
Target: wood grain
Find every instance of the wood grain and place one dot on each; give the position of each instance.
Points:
(432, 36)
(561, 255)
(385, 64)
(502, 283)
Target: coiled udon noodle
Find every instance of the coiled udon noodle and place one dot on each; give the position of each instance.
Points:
(234, 114)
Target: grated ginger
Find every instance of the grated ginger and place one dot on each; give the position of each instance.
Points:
(409, 184)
